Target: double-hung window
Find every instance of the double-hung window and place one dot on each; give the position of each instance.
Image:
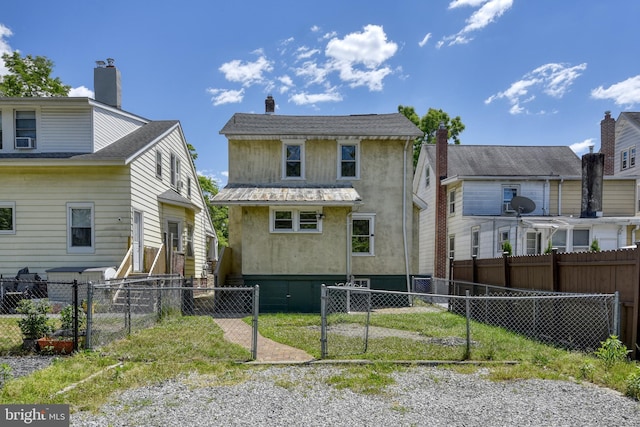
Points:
(475, 240)
(293, 160)
(452, 246)
(559, 240)
(81, 229)
(624, 160)
(25, 129)
(189, 241)
(159, 164)
(295, 220)
(348, 160)
(452, 202)
(580, 240)
(7, 218)
(362, 234)
(175, 172)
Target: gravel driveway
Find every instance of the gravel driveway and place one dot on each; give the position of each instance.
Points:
(421, 396)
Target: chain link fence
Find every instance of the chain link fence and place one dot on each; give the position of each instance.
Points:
(359, 320)
(98, 314)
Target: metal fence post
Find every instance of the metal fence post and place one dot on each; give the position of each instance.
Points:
(323, 321)
(127, 313)
(256, 311)
(75, 314)
(87, 339)
(468, 310)
(616, 313)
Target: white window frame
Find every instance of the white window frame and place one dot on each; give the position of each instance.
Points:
(451, 246)
(188, 186)
(632, 157)
(80, 249)
(12, 206)
(290, 143)
(159, 164)
(560, 248)
(475, 240)
(297, 219)
(451, 203)
(506, 203)
(188, 241)
(372, 227)
(624, 160)
(504, 235)
(581, 248)
(21, 131)
(345, 143)
(178, 238)
(537, 242)
(427, 180)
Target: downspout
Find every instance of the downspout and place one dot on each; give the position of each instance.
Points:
(404, 214)
(349, 216)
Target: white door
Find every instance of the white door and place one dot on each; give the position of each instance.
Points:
(137, 241)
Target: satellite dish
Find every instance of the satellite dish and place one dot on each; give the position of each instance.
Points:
(522, 205)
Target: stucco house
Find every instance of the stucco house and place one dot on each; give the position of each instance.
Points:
(87, 185)
(318, 199)
(470, 190)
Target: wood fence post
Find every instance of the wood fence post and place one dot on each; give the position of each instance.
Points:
(506, 270)
(555, 285)
(474, 269)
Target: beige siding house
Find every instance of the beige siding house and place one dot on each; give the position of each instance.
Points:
(318, 199)
(531, 197)
(87, 185)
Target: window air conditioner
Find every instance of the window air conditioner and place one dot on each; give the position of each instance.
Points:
(506, 207)
(25, 142)
(179, 185)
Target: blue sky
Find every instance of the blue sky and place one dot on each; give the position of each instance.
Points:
(536, 72)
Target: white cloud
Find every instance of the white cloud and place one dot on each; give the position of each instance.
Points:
(489, 12)
(4, 46)
(286, 83)
(626, 92)
(315, 28)
(312, 73)
(552, 79)
(304, 98)
(581, 148)
(424, 41)
(329, 35)
(226, 96)
(303, 52)
(247, 73)
(368, 49)
(81, 92)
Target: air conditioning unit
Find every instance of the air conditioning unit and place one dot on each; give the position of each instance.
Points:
(179, 185)
(25, 143)
(506, 208)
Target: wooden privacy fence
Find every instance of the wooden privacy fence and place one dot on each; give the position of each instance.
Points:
(579, 272)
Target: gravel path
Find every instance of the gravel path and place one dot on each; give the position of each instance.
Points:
(421, 396)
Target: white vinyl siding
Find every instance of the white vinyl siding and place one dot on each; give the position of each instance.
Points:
(110, 126)
(65, 130)
(486, 197)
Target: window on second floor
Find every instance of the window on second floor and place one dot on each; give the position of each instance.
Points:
(452, 202)
(189, 187)
(159, 164)
(348, 160)
(293, 160)
(475, 241)
(25, 129)
(508, 193)
(175, 172)
(632, 157)
(427, 176)
(624, 160)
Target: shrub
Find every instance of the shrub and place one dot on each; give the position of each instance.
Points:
(66, 318)
(595, 246)
(612, 351)
(35, 323)
(506, 247)
(633, 384)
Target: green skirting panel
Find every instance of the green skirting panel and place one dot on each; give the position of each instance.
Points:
(301, 293)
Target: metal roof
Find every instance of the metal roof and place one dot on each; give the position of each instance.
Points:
(393, 125)
(274, 194)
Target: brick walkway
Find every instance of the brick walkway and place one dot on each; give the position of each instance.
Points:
(238, 332)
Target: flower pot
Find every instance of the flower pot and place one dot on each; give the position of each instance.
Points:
(55, 345)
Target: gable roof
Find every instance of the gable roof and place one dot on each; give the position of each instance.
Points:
(502, 160)
(370, 125)
(119, 151)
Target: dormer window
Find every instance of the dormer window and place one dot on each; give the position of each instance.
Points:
(25, 130)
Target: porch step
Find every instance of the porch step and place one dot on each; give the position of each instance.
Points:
(234, 281)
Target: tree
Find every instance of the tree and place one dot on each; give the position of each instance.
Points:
(219, 214)
(30, 77)
(429, 124)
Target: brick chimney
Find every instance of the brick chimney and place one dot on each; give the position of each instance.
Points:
(441, 258)
(608, 142)
(269, 105)
(106, 83)
(592, 183)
